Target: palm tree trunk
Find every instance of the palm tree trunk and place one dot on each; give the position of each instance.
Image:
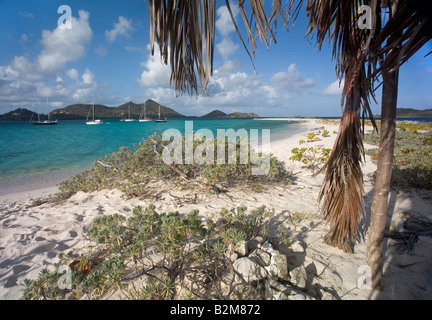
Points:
(375, 242)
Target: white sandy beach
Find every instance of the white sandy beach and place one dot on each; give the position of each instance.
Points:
(31, 237)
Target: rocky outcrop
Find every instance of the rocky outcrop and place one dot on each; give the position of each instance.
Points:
(260, 261)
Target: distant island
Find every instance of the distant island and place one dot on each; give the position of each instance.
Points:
(408, 112)
(80, 112)
(220, 114)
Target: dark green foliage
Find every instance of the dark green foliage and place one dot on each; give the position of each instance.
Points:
(164, 248)
(133, 171)
(412, 159)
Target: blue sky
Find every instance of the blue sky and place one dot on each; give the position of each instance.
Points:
(105, 58)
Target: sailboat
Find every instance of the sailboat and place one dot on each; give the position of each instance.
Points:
(143, 112)
(129, 119)
(45, 122)
(93, 121)
(160, 120)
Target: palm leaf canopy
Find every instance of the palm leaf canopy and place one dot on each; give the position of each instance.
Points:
(184, 30)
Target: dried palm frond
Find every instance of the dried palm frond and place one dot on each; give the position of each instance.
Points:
(184, 30)
(185, 33)
(342, 190)
(412, 23)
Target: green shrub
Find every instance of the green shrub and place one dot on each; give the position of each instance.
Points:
(412, 158)
(311, 156)
(133, 172)
(166, 250)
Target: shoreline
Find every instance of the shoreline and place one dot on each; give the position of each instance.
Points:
(34, 185)
(41, 185)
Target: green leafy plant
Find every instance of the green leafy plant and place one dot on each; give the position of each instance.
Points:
(311, 156)
(325, 133)
(312, 136)
(166, 251)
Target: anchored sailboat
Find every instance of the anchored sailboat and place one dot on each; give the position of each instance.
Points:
(142, 117)
(129, 119)
(45, 122)
(93, 121)
(160, 120)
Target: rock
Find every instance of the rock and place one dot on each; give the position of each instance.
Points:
(268, 247)
(328, 296)
(277, 291)
(297, 247)
(242, 249)
(255, 243)
(249, 270)
(261, 257)
(233, 256)
(299, 276)
(278, 267)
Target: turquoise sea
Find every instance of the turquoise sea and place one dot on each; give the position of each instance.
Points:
(39, 156)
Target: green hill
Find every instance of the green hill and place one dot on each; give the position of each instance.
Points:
(220, 114)
(20, 114)
(215, 114)
(80, 111)
(242, 115)
(408, 112)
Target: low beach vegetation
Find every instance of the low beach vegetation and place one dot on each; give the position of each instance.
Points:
(156, 255)
(412, 156)
(134, 171)
(312, 156)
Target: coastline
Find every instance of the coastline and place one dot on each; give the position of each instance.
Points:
(35, 185)
(31, 236)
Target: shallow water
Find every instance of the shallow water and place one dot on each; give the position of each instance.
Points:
(38, 155)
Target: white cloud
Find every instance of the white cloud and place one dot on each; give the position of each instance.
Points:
(121, 28)
(226, 48)
(156, 73)
(228, 67)
(88, 77)
(230, 89)
(224, 22)
(334, 89)
(72, 74)
(87, 88)
(29, 81)
(64, 45)
(291, 80)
